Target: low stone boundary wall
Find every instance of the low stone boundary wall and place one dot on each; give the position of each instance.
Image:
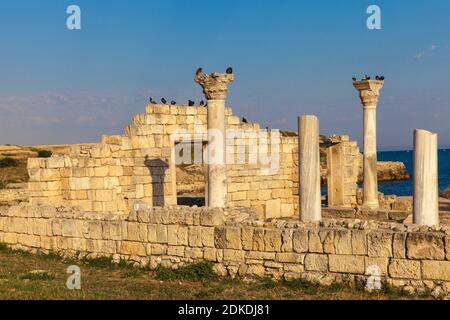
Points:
(415, 258)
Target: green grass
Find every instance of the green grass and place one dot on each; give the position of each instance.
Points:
(28, 276)
(202, 271)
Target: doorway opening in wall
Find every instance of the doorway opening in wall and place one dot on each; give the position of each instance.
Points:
(191, 173)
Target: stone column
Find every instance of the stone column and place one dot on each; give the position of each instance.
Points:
(215, 88)
(309, 169)
(369, 91)
(426, 202)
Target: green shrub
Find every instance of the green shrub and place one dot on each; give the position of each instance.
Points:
(44, 154)
(201, 271)
(8, 162)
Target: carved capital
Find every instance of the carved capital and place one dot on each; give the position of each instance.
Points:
(369, 98)
(215, 85)
(369, 91)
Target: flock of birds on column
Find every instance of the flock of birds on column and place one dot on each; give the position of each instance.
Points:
(366, 77)
(191, 103)
(164, 101)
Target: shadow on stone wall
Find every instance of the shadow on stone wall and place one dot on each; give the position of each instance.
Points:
(158, 169)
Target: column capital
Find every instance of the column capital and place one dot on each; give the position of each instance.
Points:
(369, 91)
(215, 85)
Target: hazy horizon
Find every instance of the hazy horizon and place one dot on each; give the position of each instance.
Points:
(290, 58)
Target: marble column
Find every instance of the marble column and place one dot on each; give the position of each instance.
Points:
(426, 202)
(369, 91)
(309, 169)
(215, 88)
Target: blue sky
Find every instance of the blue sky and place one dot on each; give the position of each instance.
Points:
(290, 58)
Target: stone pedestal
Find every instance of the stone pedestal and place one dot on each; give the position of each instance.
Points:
(426, 202)
(215, 88)
(369, 91)
(309, 169)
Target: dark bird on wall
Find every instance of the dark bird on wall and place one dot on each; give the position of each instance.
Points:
(354, 79)
(366, 77)
(173, 102)
(202, 103)
(152, 101)
(199, 71)
(191, 103)
(382, 78)
(230, 71)
(164, 101)
(244, 120)
(377, 78)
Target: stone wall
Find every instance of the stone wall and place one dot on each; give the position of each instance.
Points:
(139, 166)
(342, 172)
(415, 258)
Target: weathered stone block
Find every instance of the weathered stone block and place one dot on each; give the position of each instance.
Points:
(247, 238)
(316, 262)
(172, 235)
(300, 240)
(258, 239)
(260, 255)
(343, 242)
(132, 248)
(288, 257)
(404, 269)
(95, 230)
(161, 233)
(272, 240)
(195, 236)
(177, 251)
(287, 245)
(379, 244)
(399, 246)
(327, 239)
(183, 236)
(359, 242)
(210, 254)
(314, 243)
(233, 255)
(228, 238)
(212, 217)
(347, 264)
(425, 246)
(436, 270)
(273, 208)
(208, 236)
(68, 228)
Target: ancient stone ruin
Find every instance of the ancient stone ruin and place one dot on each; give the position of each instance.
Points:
(264, 214)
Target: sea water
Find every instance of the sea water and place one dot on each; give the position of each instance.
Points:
(405, 188)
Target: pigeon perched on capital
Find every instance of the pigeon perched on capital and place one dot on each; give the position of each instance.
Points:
(229, 70)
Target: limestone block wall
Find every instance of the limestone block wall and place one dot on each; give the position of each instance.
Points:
(342, 175)
(140, 166)
(416, 258)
